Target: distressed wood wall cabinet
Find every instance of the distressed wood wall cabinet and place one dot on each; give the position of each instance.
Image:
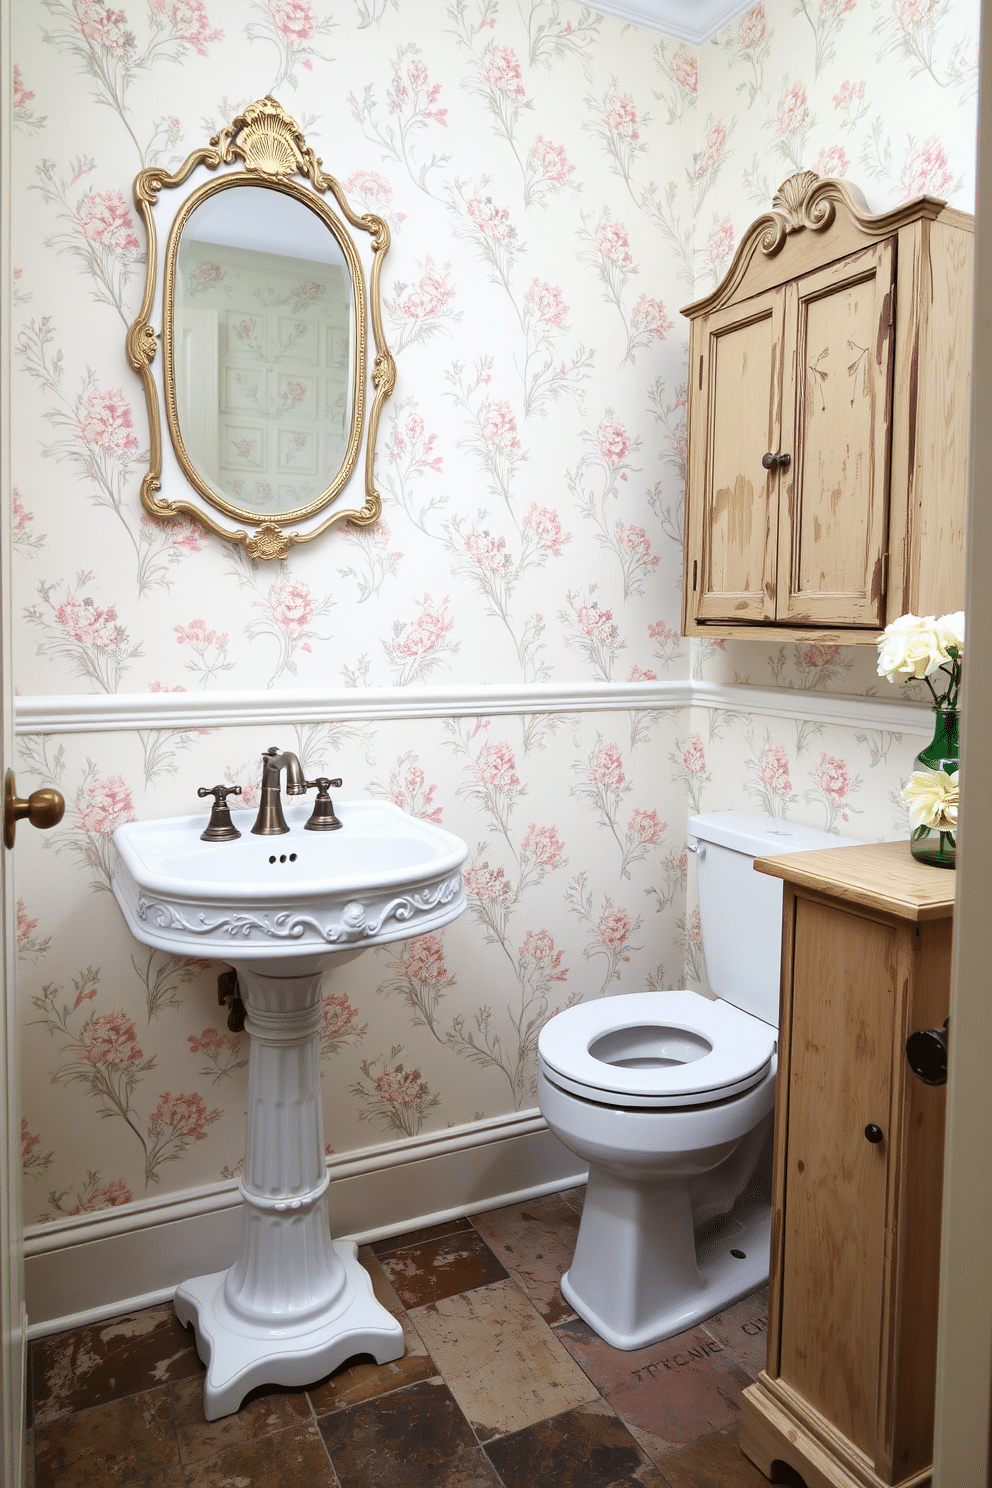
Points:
(847, 1396)
(829, 403)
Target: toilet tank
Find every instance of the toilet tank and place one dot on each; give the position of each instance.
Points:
(740, 911)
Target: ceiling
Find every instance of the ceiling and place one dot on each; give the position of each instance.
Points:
(694, 21)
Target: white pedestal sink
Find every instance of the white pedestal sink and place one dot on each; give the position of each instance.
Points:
(282, 910)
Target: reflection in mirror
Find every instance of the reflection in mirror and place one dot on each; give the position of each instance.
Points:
(263, 349)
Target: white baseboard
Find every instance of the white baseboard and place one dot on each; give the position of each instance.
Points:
(98, 1266)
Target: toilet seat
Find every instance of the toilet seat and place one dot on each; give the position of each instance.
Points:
(717, 1050)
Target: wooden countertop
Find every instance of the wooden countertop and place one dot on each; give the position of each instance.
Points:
(877, 875)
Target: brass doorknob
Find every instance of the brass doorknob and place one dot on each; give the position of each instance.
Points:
(43, 808)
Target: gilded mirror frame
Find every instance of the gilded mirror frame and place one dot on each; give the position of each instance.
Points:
(263, 146)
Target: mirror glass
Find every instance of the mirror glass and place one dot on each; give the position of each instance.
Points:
(263, 349)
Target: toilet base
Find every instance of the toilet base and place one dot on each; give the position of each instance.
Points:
(240, 1355)
(721, 1279)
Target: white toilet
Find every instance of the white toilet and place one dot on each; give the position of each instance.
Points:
(669, 1097)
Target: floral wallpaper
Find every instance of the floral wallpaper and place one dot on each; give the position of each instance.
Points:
(557, 184)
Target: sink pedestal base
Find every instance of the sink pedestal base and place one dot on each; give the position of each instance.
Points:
(239, 1357)
(295, 1304)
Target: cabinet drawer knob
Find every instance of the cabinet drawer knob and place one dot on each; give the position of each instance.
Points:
(874, 1133)
(772, 461)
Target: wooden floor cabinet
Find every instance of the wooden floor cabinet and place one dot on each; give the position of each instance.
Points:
(847, 1396)
(829, 406)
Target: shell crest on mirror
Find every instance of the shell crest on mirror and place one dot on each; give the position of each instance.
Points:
(269, 141)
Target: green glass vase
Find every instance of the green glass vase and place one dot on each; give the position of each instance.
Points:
(930, 844)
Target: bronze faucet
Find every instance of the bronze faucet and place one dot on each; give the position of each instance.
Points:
(270, 821)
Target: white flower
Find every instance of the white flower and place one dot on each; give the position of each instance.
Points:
(950, 631)
(911, 647)
(932, 798)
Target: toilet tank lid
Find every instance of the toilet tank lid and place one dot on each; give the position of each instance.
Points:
(761, 836)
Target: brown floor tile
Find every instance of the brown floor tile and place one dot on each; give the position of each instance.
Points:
(535, 1242)
(417, 1237)
(414, 1438)
(585, 1448)
(284, 1460)
(716, 1462)
(668, 1395)
(130, 1442)
(106, 1361)
(743, 1329)
(504, 1365)
(260, 1415)
(364, 1381)
(441, 1267)
(383, 1288)
(575, 1196)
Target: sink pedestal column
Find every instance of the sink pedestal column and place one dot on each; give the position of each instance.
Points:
(295, 1304)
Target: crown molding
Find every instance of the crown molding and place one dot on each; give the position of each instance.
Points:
(692, 21)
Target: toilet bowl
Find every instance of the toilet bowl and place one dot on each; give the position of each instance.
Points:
(669, 1097)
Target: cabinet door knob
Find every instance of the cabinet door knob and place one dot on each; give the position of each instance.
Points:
(874, 1133)
(926, 1050)
(772, 461)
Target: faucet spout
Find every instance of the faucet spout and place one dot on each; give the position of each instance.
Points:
(270, 821)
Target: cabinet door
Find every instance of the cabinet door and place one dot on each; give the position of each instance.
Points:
(838, 379)
(833, 1241)
(733, 530)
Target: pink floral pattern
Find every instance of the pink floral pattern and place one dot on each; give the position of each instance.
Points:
(110, 1195)
(927, 171)
(421, 646)
(425, 308)
(545, 525)
(111, 1040)
(538, 948)
(392, 1096)
(189, 23)
(753, 28)
(547, 303)
(833, 786)
(104, 806)
(499, 69)
(224, 1053)
(182, 1118)
(543, 846)
(106, 422)
(832, 162)
(531, 466)
(714, 146)
(495, 766)
(551, 160)
(293, 27)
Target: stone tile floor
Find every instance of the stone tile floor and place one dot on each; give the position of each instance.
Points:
(501, 1386)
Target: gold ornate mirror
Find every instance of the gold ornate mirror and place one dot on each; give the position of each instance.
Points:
(269, 312)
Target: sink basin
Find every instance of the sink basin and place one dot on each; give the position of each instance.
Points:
(384, 876)
(295, 1304)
